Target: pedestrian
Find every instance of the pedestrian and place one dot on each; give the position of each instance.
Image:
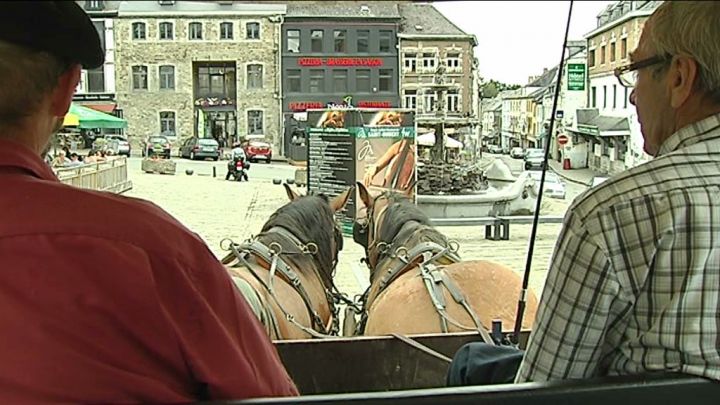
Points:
(105, 299)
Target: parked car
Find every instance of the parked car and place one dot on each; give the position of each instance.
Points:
(200, 148)
(117, 145)
(534, 159)
(517, 153)
(255, 150)
(156, 145)
(494, 149)
(554, 187)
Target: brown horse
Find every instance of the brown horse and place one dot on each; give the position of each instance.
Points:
(286, 272)
(418, 284)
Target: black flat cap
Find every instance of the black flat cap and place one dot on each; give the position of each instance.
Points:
(60, 28)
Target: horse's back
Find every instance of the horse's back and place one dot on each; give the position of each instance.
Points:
(491, 290)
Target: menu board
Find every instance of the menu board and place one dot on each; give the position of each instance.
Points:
(376, 147)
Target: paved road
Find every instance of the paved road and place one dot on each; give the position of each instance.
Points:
(217, 209)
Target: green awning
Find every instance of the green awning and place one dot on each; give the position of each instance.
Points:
(90, 118)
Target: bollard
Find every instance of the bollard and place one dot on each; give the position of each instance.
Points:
(214, 172)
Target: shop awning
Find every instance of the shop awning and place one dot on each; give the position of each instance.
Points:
(86, 118)
(105, 108)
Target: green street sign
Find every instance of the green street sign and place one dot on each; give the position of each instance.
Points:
(576, 76)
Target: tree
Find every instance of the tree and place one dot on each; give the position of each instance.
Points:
(492, 87)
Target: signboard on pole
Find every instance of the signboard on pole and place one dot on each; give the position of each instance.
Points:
(576, 76)
(374, 146)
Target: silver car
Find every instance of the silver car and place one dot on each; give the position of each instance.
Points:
(553, 188)
(117, 145)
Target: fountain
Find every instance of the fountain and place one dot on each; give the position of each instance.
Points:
(452, 184)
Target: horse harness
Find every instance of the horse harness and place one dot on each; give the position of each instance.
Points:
(433, 275)
(272, 254)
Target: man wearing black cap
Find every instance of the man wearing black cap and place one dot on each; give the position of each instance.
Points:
(102, 298)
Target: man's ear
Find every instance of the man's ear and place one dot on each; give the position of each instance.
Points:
(682, 79)
(364, 195)
(64, 90)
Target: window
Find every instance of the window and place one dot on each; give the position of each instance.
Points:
(100, 28)
(362, 80)
(363, 41)
(167, 77)
(428, 60)
(167, 123)
(317, 80)
(195, 31)
(591, 58)
(138, 30)
(453, 101)
(254, 77)
(96, 80)
(410, 62)
(226, 30)
(293, 84)
(623, 48)
(410, 99)
(625, 103)
(385, 80)
(166, 31)
(95, 5)
(602, 55)
(604, 96)
(453, 61)
(255, 122)
(429, 102)
(340, 78)
(293, 41)
(612, 52)
(252, 30)
(316, 40)
(593, 97)
(385, 41)
(340, 37)
(215, 81)
(139, 78)
(614, 96)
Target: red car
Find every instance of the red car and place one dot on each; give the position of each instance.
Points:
(256, 150)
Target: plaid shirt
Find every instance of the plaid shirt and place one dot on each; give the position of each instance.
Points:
(634, 283)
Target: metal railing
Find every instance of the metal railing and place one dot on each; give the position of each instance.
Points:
(110, 175)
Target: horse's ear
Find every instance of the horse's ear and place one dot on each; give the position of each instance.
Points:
(337, 203)
(292, 195)
(364, 195)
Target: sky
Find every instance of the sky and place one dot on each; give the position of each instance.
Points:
(517, 39)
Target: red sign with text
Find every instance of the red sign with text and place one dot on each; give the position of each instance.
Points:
(304, 105)
(340, 62)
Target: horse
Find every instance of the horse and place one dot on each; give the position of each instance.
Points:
(419, 284)
(286, 272)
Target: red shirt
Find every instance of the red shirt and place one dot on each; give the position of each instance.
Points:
(105, 298)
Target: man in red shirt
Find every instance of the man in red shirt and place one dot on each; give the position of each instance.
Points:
(103, 298)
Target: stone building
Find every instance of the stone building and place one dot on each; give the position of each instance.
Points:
(206, 69)
(429, 40)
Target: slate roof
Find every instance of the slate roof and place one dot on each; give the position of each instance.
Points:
(343, 9)
(190, 7)
(545, 79)
(425, 19)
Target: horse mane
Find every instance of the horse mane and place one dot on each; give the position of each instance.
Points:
(401, 211)
(310, 219)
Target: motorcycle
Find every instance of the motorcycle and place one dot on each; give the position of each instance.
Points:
(237, 169)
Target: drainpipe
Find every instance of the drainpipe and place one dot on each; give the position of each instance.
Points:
(278, 74)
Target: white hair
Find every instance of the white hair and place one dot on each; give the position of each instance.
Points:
(691, 28)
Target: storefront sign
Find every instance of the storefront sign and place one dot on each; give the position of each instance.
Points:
(576, 76)
(375, 104)
(340, 62)
(588, 129)
(306, 105)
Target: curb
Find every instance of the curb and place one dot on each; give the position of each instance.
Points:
(568, 178)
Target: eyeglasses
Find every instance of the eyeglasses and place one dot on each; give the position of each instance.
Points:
(627, 75)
